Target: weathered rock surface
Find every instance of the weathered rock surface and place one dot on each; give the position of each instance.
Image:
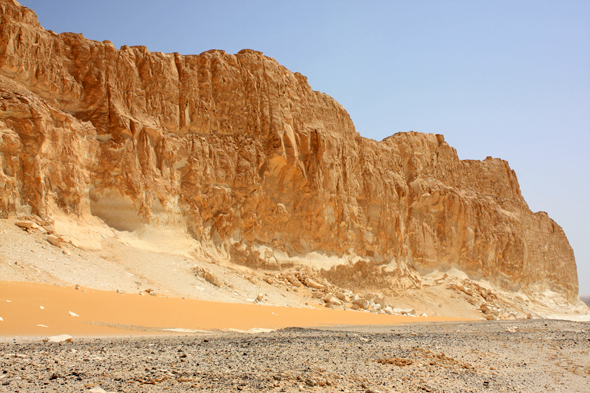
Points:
(255, 164)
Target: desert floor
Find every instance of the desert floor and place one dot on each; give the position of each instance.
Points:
(134, 343)
(493, 356)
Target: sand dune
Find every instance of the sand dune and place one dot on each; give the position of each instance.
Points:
(31, 309)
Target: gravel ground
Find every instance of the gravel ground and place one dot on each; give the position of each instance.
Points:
(495, 356)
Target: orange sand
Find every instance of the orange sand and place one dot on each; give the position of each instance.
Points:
(148, 314)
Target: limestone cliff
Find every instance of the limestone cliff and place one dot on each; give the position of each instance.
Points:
(255, 164)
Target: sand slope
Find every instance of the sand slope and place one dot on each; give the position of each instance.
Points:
(40, 310)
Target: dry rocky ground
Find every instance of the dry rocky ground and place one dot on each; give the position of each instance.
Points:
(493, 356)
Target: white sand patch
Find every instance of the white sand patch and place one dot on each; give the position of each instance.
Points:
(181, 330)
(252, 331)
(453, 273)
(168, 240)
(316, 260)
(87, 234)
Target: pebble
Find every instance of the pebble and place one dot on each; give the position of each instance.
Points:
(451, 357)
(97, 390)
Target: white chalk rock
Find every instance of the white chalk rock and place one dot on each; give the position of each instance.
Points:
(361, 303)
(380, 301)
(407, 311)
(25, 224)
(55, 240)
(73, 314)
(59, 339)
(342, 296)
(311, 283)
(97, 389)
(332, 300)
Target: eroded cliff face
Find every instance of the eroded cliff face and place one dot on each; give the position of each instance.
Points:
(255, 164)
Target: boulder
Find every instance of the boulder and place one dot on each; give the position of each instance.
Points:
(54, 240)
(311, 283)
(361, 303)
(25, 224)
(342, 296)
(293, 280)
(332, 300)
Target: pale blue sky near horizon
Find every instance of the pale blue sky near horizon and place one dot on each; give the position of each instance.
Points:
(507, 79)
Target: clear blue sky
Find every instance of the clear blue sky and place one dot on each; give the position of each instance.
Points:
(508, 79)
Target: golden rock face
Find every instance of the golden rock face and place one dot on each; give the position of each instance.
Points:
(253, 162)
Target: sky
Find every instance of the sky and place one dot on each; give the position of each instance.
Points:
(507, 79)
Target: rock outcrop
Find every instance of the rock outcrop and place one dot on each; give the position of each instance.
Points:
(255, 164)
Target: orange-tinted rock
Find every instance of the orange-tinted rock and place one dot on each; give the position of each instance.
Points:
(242, 151)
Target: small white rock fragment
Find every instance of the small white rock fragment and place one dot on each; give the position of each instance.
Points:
(1, 319)
(59, 339)
(73, 314)
(97, 389)
(42, 308)
(42, 325)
